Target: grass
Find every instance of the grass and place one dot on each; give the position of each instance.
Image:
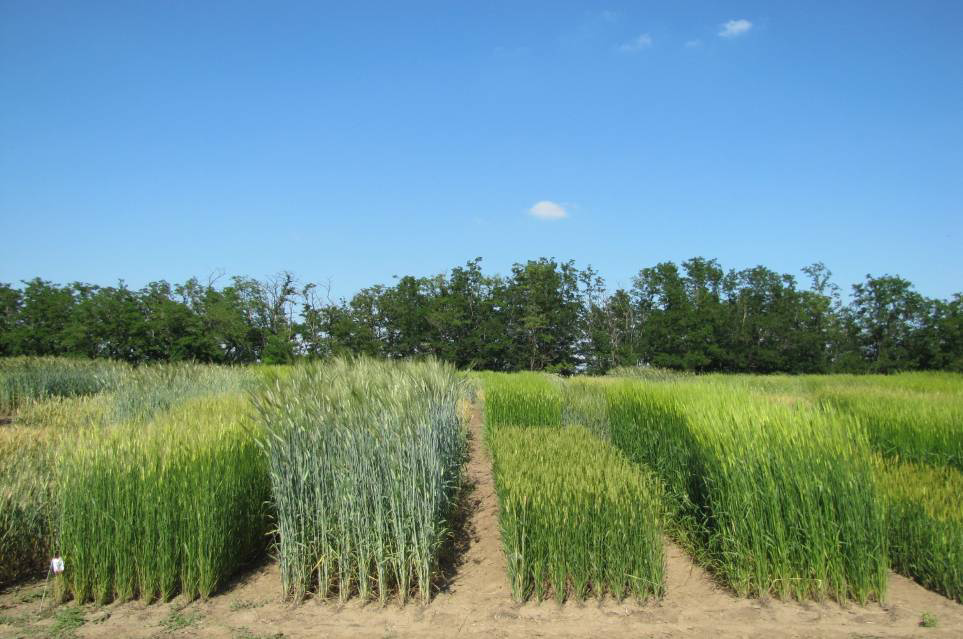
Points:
(14, 620)
(243, 604)
(64, 623)
(576, 518)
(174, 505)
(365, 460)
(177, 620)
(929, 620)
(67, 620)
(245, 633)
(774, 499)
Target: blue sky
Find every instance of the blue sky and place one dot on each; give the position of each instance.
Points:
(349, 142)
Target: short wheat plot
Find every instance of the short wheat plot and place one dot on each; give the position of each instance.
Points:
(916, 427)
(523, 399)
(925, 520)
(166, 479)
(31, 379)
(914, 423)
(176, 505)
(365, 461)
(35, 391)
(774, 499)
(24, 503)
(576, 518)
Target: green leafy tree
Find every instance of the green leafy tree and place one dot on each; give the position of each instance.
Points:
(466, 328)
(542, 308)
(10, 301)
(662, 308)
(886, 313)
(821, 335)
(173, 331)
(770, 318)
(546, 315)
(45, 312)
(950, 335)
(402, 311)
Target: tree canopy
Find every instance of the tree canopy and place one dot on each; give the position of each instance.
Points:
(544, 315)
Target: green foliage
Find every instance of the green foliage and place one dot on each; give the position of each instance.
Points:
(10, 299)
(884, 312)
(242, 321)
(929, 620)
(576, 518)
(365, 460)
(545, 315)
(172, 505)
(775, 499)
(278, 349)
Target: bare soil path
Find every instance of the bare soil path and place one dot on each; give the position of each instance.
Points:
(477, 603)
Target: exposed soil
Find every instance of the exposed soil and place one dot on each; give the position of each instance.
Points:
(476, 602)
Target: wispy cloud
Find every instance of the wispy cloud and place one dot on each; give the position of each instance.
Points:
(693, 44)
(548, 210)
(735, 28)
(609, 16)
(644, 41)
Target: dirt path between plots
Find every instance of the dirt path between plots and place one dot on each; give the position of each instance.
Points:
(477, 603)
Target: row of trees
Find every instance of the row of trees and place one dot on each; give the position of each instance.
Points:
(544, 315)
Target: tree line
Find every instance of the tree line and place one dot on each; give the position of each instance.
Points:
(545, 315)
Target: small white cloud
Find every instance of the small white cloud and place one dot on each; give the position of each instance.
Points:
(644, 41)
(548, 210)
(735, 28)
(693, 44)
